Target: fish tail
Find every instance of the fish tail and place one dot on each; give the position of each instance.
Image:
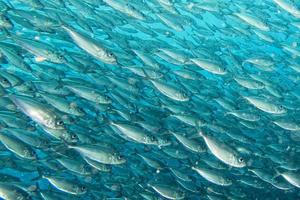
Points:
(135, 152)
(9, 5)
(40, 172)
(6, 34)
(34, 190)
(229, 79)
(62, 23)
(147, 77)
(201, 133)
(227, 113)
(106, 119)
(39, 94)
(278, 172)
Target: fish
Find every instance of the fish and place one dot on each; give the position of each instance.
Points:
(190, 144)
(61, 134)
(125, 8)
(68, 186)
(253, 21)
(181, 175)
(89, 93)
(40, 50)
(38, 112)
(76, 166)
(91, 46)
(168, 191)
(17, 146)
(97, 165)
(223, 151)
(10, 192)
(249, 84)
(291, 177)
(213, 176)
(100, 154)
(287, 6)
(135, 133)
(14, 57)
(29, 137)
(62, 104)
(209, 66)
(265, 106)
(170, 91)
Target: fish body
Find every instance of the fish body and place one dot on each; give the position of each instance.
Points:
(223, 152)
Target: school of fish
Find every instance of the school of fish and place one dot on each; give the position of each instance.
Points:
(149, 99)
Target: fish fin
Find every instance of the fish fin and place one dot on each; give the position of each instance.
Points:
(196, 135)
(146, 74)
(37, 187)
(201, 133)
(61, 21)
(106, 119)
(191, 163)
(39, 59)
(58, 147)
(39, 93)
(136, 152)
(229, 79)
(32, 188)
(228, 113)
(278, 172)
(165, 132)
(6, 34)
(40, 174)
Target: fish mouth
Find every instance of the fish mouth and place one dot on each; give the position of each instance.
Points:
(112, 62)
(57, 127)
(122, 161)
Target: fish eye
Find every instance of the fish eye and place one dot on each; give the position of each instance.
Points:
(4, 81)
(83, 188)
(177, 94)
(241, 160)
(73, 136)
(164, 141)
(59, 123)
(110, 55)
(72, 120)
(280, 107)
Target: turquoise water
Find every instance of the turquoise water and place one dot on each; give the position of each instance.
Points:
(149, 99)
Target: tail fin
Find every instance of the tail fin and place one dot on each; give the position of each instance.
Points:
(106, 119)
(201, 133)
(278, 172)
(40, 172)
(62, 23)
(5, 35)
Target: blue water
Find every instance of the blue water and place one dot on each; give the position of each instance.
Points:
(152, 99)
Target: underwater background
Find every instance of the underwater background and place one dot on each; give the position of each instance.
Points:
(149, 99)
